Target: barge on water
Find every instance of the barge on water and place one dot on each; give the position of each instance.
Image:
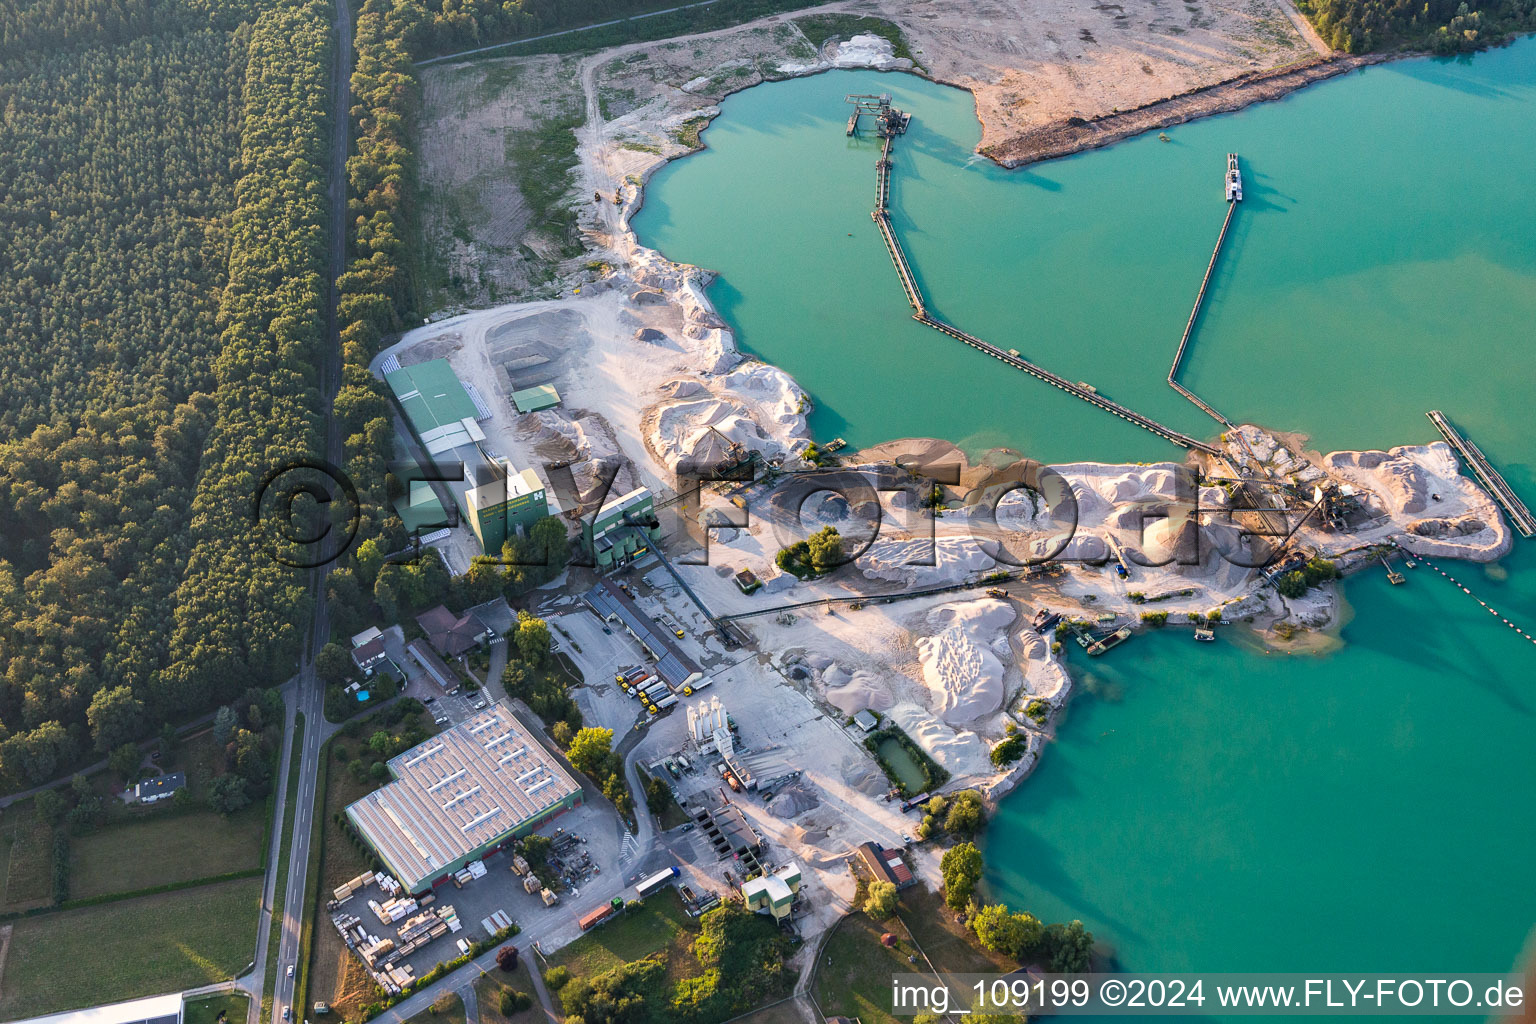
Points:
(1114, 639)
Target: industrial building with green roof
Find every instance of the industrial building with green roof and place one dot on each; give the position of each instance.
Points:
(611, 538)
(440, 411)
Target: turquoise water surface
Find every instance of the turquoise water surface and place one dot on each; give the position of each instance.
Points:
(1205, 806)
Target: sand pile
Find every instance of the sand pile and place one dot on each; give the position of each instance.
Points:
(865, 52)
(776, 398)
(793, 800)
(862, 774)
(1044, 675)
(861, 51)
(961, 753)
(1422, 489)
(1400, 481)
(681, 388)
(756, 406)
(900, 559)
(961, 663)
(853, 691)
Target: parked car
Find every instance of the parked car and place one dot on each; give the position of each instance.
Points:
(479, 705)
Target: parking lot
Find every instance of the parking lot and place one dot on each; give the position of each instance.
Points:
(592, 844)
(455, 708)
(601, 656)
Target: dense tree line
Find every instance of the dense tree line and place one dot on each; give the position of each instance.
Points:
(240, 612)
(1445, 26)
(1064, 947)
(444, 26)
(160, 186)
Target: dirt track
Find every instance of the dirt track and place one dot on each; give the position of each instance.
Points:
(1067, 136)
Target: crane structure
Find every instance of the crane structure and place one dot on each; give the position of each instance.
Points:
(888, 120)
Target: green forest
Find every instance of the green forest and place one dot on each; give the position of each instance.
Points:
(161, 237)
(162, 304)
(1444, 26)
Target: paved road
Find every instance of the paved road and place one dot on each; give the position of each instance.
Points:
(471, 1002)
(253, 982)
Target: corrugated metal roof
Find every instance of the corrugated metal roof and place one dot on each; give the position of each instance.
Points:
(152, 1010)
(460, 790)
(433, 399)
(672, 664)
(542, 396)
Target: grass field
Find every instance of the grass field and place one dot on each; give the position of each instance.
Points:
(660, 924)
(159, 846)
(488, 992)
(26, 846)
(206, 1010)
(854, 977)
(133, 948)
(447, 1008)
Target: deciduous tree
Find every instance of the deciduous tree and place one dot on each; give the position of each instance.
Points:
(116, 716)
(880, 900)
(961, 870)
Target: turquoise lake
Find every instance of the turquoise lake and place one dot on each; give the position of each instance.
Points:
(1208, 807)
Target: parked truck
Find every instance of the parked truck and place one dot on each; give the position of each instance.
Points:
(592, 918)
(656, 882)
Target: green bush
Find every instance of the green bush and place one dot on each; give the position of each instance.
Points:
(60, 866)
(1008, 751)
(818, 554)
(1292, 584)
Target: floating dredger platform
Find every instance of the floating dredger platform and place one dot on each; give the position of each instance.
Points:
(1234, 180)
(888, 120)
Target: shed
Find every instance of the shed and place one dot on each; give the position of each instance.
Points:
(866, 720)
(542, 396)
